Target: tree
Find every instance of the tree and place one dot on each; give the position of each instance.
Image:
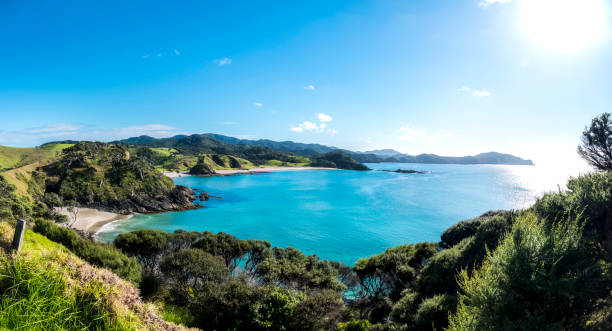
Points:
(73, 210)
(192, 271)
(228, 247)
(596, 147)
(148, 246)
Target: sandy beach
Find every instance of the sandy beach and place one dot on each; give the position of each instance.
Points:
(228, 172)
(90, 220)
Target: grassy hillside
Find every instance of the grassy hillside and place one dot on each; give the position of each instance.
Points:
(100, 175)
(46, 287)
(13, 157)
(181, 153)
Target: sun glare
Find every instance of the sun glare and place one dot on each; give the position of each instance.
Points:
(564, 26)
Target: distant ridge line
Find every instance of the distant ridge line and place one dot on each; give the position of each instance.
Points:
(374, 156)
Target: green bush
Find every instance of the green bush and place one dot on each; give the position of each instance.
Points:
(536, 279)
(147, 246)
(98, 254)
(432, 313)
(360, 325)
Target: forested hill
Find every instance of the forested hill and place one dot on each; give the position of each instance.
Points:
(184, 148)
(264, 148)
(109, 177)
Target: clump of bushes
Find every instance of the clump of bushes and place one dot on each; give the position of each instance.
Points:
(98, 254)
(536, 279)
(228, 283)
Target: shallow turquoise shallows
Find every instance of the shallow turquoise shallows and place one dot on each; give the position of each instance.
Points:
(346, 215)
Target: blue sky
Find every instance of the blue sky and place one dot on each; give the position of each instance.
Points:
(447, 77)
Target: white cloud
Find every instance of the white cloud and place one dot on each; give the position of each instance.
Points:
(71, 131)
(223, 61)
(257, 104)
(177, 52)
(146, 56)
(309, 87)
(481, 93)
(332, 131)
(160, 54)
(324, 117)
(477, 93)
(309, 126)
(487, 3)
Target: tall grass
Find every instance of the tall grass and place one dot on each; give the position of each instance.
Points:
(38, 298)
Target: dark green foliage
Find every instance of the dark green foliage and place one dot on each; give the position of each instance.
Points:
(96, 253)
(107, 176)
(589, 196)
(230, 248)
(12, 206)
(192, 271)
(292, 269)
(360, 325)
(277, 307)
(389, 273)
(201, 168)
(198, 144)
(337, 159)
(227, 306)
(259, 251)
(319, 311)
(537, 279)
(147, 246)
(464, 229)
(596, 147)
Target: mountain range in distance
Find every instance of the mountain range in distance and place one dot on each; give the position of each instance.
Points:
(217, 141)
(380, 155)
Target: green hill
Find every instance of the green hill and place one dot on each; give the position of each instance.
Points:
(105, 176)
(13, 157)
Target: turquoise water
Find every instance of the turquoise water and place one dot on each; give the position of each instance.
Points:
(345, 215)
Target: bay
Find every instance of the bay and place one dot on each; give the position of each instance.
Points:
(345, 215)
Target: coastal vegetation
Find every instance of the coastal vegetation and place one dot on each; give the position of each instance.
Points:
(546, 267)
(104, 176)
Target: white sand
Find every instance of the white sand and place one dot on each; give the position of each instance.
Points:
(176, 174)
(90, 220)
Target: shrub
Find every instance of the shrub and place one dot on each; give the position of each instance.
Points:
(147, 246)
(360, 325)
(534, 280)
(432, 313)
(98, 254)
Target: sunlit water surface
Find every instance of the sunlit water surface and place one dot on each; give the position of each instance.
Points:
(345, 215)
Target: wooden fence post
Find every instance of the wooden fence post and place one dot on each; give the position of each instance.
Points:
(18, 238)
